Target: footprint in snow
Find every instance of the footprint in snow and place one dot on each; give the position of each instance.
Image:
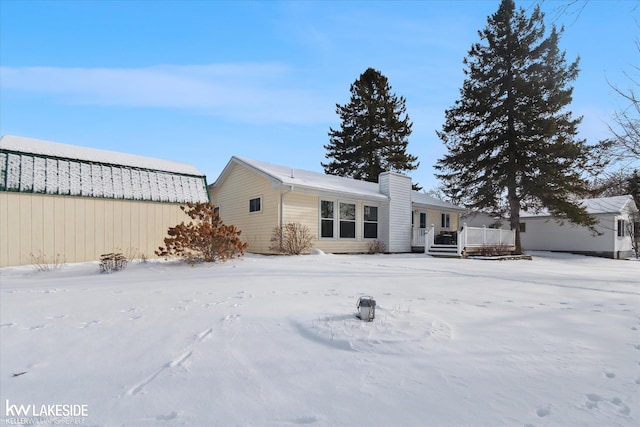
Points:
(622, 408)
(87, 324)
(36, 327)
(609, 374)
(592, 400)
(60, 316)
(8, 325)
(543, 412)
(306, 420)
(172, 416)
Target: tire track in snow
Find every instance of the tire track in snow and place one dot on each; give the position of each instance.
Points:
(176, 361)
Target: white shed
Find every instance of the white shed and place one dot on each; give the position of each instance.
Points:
(543, 232)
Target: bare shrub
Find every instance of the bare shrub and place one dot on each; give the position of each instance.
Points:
(205, 239)
(292, 238)
(42, 262)
(112, 262)
(377, 247)
(494, 250)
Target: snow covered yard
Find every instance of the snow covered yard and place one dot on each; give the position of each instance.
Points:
(273, 341)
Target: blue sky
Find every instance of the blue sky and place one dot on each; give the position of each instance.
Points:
(200, 81)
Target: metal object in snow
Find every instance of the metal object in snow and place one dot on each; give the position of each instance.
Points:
(366, 308)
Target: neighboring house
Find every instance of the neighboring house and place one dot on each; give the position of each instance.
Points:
(343, 214)
(78, 202)
(481, 219)
(542, 232)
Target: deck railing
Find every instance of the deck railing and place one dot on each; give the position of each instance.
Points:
(477, 237)
(418, 236)
(468, 237)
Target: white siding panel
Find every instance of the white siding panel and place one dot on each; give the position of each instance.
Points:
(397, 230)
(548, 235)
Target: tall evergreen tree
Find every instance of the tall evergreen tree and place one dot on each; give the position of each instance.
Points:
(511, 143)
(373, 136)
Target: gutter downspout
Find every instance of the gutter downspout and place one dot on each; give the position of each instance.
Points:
(282, 205)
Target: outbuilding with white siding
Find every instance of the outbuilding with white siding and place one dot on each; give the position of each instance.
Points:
(78, 203)
(541, 231)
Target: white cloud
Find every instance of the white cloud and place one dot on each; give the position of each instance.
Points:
(242, 92)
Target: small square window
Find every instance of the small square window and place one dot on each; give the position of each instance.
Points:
(255, 205)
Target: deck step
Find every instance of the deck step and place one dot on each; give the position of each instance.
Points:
(448, 251)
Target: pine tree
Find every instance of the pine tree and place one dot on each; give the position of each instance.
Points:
(373, 136)
(511, 142)
(633, 187)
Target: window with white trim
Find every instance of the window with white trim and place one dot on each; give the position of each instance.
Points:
(347, 220)
(445, 220)
(621, 227)
(370, 219)
(255, 204)
(327, 216)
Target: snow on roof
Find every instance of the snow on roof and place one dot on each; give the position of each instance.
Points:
(75, 152)
(287, 176)
(425, 199)
(32, 166)
(600, 205)
(321, 182)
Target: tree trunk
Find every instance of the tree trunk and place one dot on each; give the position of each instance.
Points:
(514, 217)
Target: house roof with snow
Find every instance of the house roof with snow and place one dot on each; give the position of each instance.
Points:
(36, 166)
(596, 206)
(425, 199)
(283, 176)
